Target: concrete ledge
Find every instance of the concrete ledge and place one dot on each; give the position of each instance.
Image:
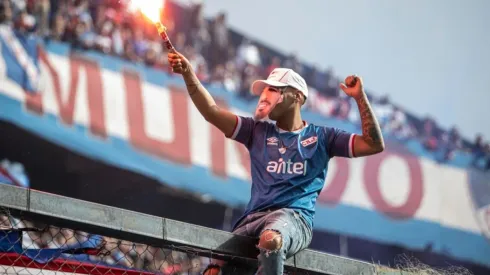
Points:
(95, 214)
(138, 227)
(14, 197)
(330, 264)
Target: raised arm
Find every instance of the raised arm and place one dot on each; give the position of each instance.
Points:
(202, 99)
(371, 142)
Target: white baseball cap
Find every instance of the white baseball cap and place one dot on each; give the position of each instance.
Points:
(281, 77)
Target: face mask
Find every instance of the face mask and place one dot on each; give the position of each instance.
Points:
(263, 109)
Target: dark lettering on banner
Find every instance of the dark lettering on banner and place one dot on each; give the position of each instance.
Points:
(94, 93)
(416, 190)
(218, 149)
(244, 157)
(178, 150)
(332, 194)
(66, 108)
(34, 103)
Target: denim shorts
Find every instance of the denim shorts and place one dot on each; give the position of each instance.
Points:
(295, 232)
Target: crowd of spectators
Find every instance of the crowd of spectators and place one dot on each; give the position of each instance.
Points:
(221, 57)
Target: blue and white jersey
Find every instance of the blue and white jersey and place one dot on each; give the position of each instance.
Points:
(289, 168)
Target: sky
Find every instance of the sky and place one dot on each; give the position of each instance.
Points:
(431, 57)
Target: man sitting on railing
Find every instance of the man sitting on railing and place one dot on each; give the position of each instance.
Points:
(289, 158)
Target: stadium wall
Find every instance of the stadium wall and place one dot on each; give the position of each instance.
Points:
(141, 119)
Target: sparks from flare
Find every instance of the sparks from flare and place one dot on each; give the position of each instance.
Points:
(152, 9)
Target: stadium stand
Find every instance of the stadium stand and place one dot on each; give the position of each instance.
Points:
(226, 58)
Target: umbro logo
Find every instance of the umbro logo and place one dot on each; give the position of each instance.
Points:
(309, 141)
(272, 141)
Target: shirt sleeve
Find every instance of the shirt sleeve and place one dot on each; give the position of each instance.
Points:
(339, 143)
(243, 131)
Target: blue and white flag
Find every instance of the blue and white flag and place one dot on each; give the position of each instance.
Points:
(20, 62)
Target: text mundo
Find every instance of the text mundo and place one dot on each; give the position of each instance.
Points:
(286, 167)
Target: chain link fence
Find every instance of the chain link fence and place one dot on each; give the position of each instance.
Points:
(28, 247)
(42, 233)
(31, 247)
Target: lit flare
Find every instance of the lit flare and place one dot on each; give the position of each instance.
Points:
(151, 9)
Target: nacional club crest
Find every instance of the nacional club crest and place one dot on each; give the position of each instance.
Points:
(309, 141)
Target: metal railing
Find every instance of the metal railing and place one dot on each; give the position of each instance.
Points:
(91, 236)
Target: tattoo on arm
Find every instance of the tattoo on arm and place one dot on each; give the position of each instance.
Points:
(192, 88)
(371, 130)
(192, 83)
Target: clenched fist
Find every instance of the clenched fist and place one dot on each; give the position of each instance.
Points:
(353, 86)
(178, 63)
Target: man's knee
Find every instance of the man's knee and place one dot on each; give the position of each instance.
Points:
(270, 240)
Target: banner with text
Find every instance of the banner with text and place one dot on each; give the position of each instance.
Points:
(141, 119)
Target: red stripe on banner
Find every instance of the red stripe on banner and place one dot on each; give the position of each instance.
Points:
(94, 93)
(332, 193)
(244, 158)
(34, 102)
(218, 156)
(62, 265)
(177, 150)
(95, 97)
(412, 204)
